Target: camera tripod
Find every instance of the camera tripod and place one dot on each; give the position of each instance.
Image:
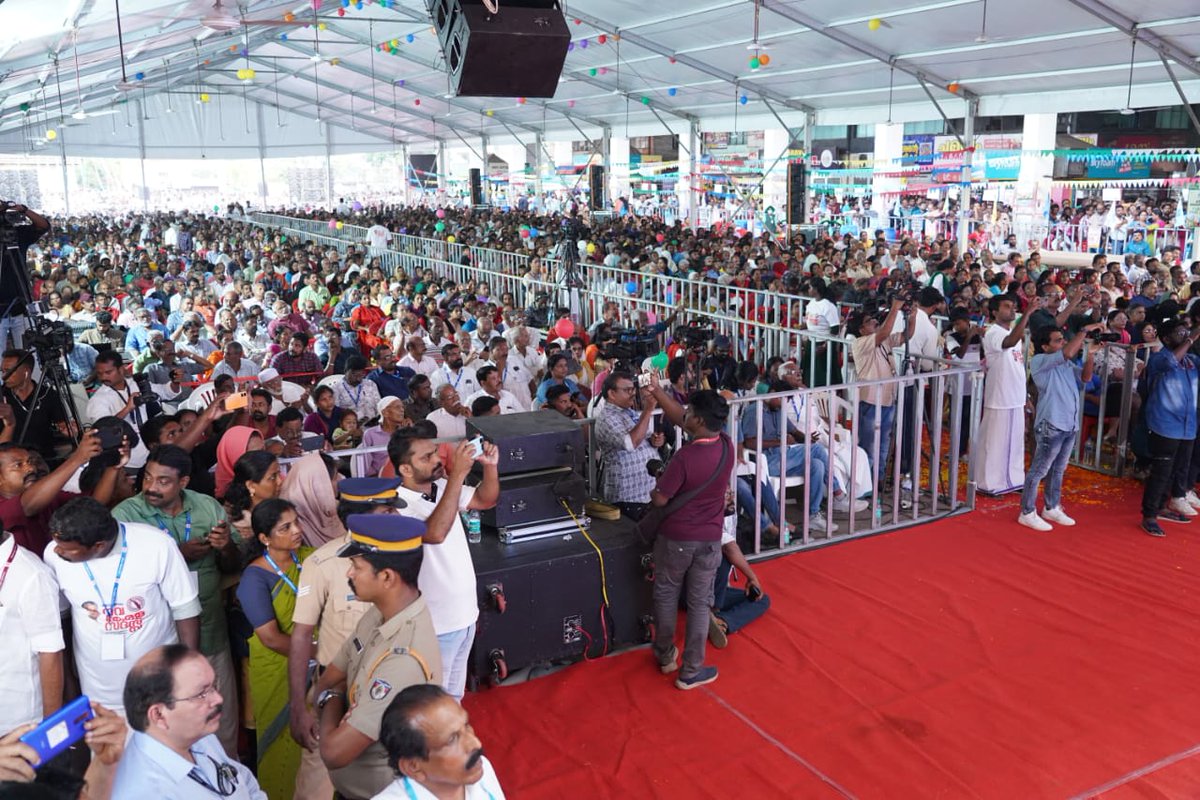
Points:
(39, 341)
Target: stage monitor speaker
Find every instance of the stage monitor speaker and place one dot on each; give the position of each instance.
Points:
(596, 187)
(476, 181)
(517, 52)
(797, 188)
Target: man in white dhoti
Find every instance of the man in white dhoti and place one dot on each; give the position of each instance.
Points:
(1001, 442)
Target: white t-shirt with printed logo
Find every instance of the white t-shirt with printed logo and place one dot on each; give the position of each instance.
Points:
(155, 590)
(447, 580)
(29, 624)
(1004, 386)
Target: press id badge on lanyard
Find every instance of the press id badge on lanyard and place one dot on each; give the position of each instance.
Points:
(112, 642)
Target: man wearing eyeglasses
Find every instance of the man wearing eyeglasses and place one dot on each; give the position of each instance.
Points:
(174, 708)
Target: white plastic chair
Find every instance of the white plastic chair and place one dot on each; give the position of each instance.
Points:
(763, 473)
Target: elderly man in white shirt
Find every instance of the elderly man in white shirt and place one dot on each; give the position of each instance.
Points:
(451, 415)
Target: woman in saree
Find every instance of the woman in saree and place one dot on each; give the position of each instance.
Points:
(267, 594)
(368, 320)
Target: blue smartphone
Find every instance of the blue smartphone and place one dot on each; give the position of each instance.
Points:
(60, 730)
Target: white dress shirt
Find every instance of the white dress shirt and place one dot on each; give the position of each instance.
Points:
(151, 769)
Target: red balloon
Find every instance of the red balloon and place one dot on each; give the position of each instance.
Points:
(661, 238)
(564, 328)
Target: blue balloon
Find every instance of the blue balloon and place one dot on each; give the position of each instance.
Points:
(631, 287)
(283, 37)
(743, 99)
(672, 91)
(140, 75)
(410, 38)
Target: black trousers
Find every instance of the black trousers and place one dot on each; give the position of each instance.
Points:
(1170, 465)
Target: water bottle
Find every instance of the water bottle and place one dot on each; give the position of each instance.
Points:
(474, 535)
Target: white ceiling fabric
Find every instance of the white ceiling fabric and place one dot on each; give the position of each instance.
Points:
(689, 60)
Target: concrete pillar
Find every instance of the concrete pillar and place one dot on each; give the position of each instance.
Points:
(889, 143)
(618, 173)
(1034, 182)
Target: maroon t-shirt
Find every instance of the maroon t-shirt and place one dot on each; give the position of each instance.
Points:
(702, 518)
(32, 533)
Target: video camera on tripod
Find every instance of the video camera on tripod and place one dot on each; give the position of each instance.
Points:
(629, 346)
(694, 336)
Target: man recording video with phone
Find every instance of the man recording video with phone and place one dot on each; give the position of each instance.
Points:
(20, 227)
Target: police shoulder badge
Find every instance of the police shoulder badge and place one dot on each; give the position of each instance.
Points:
(379, 689)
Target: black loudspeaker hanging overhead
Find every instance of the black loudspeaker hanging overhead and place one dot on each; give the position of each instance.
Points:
(797, 186)
(596, 199)
(475, 179)
(518, 50)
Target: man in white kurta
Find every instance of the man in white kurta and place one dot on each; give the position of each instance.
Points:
(1001, 455)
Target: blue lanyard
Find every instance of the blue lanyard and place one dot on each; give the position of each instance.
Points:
(413, 795)
(187, 526)
(279, 572)
(356, 397)
(108, 609)
(456, 380)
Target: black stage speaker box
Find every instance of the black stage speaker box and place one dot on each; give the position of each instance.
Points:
(797, 188)
(596, 187)
(531, 440)
(517, 52)
(476, 182)
(536, 497)
(548, 588)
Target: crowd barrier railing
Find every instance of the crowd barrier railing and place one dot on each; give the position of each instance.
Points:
(1115, 399)
(845, 430)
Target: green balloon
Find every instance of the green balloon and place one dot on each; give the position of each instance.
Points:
(660, 360)
(441, 226)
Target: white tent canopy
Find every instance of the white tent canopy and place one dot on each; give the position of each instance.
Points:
(675, 64)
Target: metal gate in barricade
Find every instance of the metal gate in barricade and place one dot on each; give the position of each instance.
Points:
(845, 430)
(1109, 402)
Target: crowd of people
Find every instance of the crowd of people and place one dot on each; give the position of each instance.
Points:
(1142, 225)
(259, 524)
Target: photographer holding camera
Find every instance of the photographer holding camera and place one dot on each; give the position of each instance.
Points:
(118, 396)
(627, 442)
(26, 227)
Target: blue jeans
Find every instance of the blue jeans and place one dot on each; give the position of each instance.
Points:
(734, 605)
(795, 468)
(456, 647)
(866, 436)
(769, 513)
(1050, 458)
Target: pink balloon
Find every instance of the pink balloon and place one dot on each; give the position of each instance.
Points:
(441, 213)
(332, 224)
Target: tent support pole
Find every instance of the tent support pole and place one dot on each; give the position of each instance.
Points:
(262, 155)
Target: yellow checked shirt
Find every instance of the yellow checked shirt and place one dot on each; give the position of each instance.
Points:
(324, 600)
(380, 660)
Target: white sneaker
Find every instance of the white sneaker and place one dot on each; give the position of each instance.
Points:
(816, 523)
(842, 503)
(1057, 515)
(1182, 506)
(1192, 498)
(1032, 520)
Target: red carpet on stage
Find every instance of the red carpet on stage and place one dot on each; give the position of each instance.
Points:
(969, 658)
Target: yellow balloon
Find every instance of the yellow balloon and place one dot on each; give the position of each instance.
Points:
(340, 225)
(450, 239)
(52, 134)
(321, 26)
(875, 23)
(204, 97)
(591, 249)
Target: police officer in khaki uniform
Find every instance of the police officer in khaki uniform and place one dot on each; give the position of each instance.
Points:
(326, 605)
(394, 646)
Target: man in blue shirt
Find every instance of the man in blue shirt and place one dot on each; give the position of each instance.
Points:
(174, 708)
(391, 379)
(1058, 379)
(1170, 410)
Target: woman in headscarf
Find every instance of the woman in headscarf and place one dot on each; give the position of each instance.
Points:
(237, 440)
(311, 486)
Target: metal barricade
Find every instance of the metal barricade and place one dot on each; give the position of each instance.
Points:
(1114, 388)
